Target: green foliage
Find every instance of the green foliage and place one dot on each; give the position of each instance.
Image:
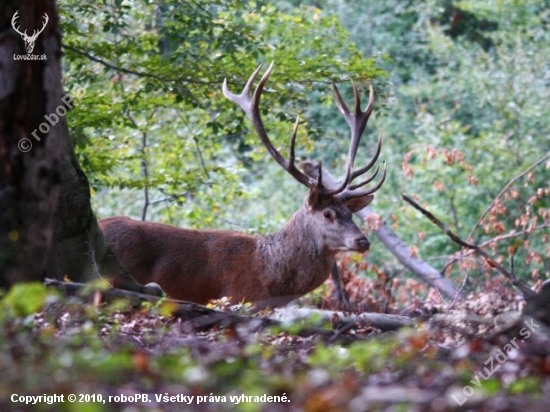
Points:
(366, 357)
(486, 107)
(525, 385)
(25, 299)
(466, 114)
(73, 347)
(467, 118)
(153, 75)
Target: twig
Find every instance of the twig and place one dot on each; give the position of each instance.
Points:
(179, 84)
(190, 197)
(145, 171)
(515, 234)
(340, 292)
(504, 189)
(144, 167)
(92, 254)
(450, 307)
(196, 140)
(169, 197)
(525, 290)
(112, 66)
(199, 151)
(490, 241)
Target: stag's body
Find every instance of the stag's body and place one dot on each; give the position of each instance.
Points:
(200, 265)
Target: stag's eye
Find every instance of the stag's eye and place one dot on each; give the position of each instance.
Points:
(327, 215)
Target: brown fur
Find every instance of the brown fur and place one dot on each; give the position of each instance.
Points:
(200, 265)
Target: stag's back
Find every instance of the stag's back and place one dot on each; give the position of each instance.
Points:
(194, 265)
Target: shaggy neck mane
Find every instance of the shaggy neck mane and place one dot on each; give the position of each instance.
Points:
(293, 258)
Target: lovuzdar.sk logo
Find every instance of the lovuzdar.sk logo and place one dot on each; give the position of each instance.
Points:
(29, 40)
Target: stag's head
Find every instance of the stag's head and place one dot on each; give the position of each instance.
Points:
(327, 211)
(29, 40)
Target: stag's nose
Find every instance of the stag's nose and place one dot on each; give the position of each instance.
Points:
(362, 244)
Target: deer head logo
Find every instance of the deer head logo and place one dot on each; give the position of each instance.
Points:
(29, 40)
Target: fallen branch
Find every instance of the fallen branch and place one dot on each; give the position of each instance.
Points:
(525, 290)
(381, 321)
(394, 244)
(200, 317)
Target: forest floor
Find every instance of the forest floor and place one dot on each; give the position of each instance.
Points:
(474, 354)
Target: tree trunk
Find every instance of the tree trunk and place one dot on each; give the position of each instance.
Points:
(47, 227)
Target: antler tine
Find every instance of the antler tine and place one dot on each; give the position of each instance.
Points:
(293, 140)
(358, 122)
(320, 175)
(367, 180)
(243, 99)
(350, 194)
(369, 166)
(252, 109)
(340, 103)
(36, 32)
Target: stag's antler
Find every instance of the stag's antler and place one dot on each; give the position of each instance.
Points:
(252, 110)
(357, 122)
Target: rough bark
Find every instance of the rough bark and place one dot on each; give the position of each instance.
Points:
(29, 182)
(47, 227)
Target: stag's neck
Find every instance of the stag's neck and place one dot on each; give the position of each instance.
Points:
(294, 259)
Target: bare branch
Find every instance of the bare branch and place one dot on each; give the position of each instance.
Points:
(525, 290)
(498, 238)
(504, 189)
(110, 65)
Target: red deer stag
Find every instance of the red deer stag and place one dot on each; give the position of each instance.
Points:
(271, 270)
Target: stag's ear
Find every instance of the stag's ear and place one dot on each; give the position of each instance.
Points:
(313, 196)
(357, 203)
